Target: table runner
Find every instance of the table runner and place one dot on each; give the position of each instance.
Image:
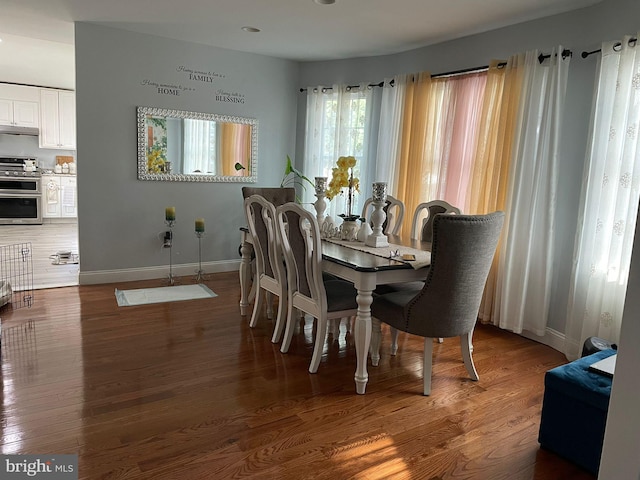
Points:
(423, 258)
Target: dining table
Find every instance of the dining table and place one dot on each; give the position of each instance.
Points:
(366, 267)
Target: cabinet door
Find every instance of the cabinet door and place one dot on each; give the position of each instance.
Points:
(67, 119)
(51, 196)
(6, 111)
(69, 197)
(25, 114)
(49, 122)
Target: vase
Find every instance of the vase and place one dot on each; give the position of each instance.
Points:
(364, 231)
(349, 230)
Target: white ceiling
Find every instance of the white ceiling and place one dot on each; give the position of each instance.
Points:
(293, 29)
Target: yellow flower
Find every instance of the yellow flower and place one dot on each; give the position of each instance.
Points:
(155, 162)
(351, 161)
(340, 176)
(344, 163)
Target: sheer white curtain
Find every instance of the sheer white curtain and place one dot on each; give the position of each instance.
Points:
(610, 192)
(338, 124)
(389, 141)
(524, 281)
(199, 147)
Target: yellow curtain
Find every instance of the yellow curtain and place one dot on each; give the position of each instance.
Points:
(495, 146)
(235, 147)
(416, 128)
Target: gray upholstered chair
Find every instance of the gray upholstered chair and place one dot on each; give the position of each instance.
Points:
(447, 305)
(275, 195)
(269, 277)
(422, 229)
(394, 210)
(422, 224)
(308, 292)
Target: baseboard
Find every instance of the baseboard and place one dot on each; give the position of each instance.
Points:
(71, 220)
(552, 338)
(151, 273)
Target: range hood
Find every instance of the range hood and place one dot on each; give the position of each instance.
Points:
(13, 130)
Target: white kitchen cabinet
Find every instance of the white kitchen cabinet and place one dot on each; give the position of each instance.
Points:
(19, 113)
(59, 196)
(57, 119)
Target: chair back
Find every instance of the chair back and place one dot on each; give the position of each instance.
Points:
(394, 210)
(299, 235)
(422, 224)
(462, 252)
(261, 219)
(275, 195)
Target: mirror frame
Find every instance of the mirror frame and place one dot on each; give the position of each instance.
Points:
(143, 172)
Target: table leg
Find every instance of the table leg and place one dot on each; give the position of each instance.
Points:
(376, 338)
(245, 275)
(363, 337)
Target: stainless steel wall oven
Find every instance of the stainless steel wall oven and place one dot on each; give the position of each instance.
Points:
(20, 191)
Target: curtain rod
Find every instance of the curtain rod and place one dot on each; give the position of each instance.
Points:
(565, 53)
(435, 75)
(616, 48)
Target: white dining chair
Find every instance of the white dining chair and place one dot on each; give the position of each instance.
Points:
(423, 215)
(276, 196)
(270, 276)
(394, 209)
(322, 298)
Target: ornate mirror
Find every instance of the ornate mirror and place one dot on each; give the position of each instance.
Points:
(179, 146)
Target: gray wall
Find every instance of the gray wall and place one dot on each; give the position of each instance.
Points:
(121, 218)
(580, 30)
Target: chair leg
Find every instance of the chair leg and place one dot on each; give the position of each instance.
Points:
(254, 284)
(269, 298)
(281, 318)
(290, 326)
(257, 306)
(318, 347)
(394, 341)
(466, 347)
(334, 327)
(428, 361)
(376, 340)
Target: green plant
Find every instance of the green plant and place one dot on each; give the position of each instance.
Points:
(293, 177)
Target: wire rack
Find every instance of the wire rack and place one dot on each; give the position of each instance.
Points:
(16, 275)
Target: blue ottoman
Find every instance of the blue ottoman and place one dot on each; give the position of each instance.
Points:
(574, 411)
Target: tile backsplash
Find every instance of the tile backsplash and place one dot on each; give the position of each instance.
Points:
(27, 146)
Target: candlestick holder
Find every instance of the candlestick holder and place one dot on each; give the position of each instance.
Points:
(170, 224)
(320, 204)
(199, 273)
(379, 198)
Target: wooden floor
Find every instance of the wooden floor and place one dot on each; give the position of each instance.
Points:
(186, 390)
(46, 240)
